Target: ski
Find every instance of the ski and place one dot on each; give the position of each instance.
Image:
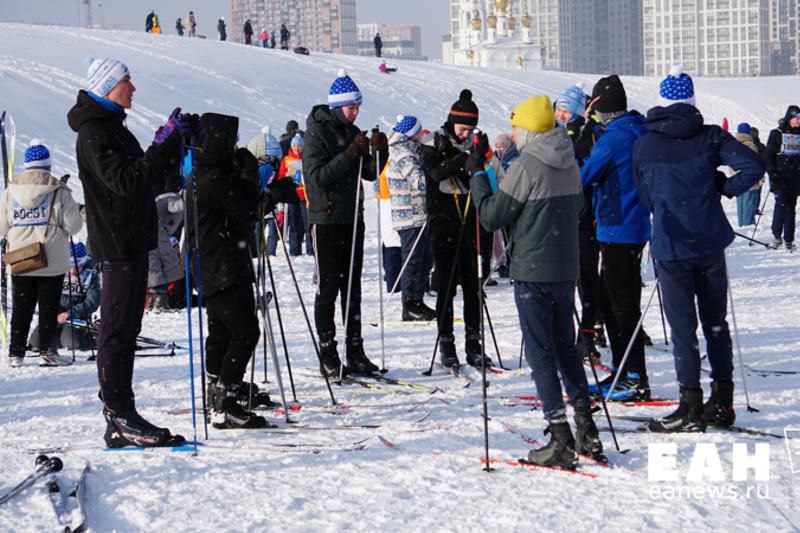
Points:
(599, 459)
(456, 372)
(416, 386)
(56, 497)
(644, 420)
(531, 467)
(764, 372)
(94, 329)
(44, 466)
(4, 280)
(75, 504)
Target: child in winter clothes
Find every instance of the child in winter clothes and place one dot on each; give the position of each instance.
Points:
(165, 263)
(406, 180)
(38, 208)
(783, 165)
(747, 204)
(390, 245)
(292, 169)
(267, 149)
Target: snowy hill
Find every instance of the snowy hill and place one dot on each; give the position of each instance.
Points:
(432, 479)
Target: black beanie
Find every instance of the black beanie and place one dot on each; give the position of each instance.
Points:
(464, 111)
(292, 125)
(611, 93)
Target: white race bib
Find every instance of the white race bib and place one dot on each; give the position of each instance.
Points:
(35, 216)
(790, 144)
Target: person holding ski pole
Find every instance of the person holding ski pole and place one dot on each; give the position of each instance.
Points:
(118, 180)
(337, 156)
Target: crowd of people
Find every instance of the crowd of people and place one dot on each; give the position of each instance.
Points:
(569, 198)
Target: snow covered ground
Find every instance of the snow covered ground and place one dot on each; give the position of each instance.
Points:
(432, 478)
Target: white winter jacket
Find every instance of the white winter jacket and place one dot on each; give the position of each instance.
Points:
(24, 209)
(406, 180)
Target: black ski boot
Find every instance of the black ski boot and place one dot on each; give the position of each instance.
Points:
(587, 439)
(719, 408)
(357, 360)
(232, 415)
(330, 364)
(447, 352)
(559, 452)
(475, 354)
(128, 428)
(417, 311)
(260, 398)
(586, 345)
(687, 418)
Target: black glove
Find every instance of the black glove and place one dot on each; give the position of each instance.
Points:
(358, 148)
(482, 145)
(444, 146)
(475, 162)
(284, 191)
(379, 142)
(719, 183)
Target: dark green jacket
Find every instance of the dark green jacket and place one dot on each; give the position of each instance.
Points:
(330, 176)
(542, 198)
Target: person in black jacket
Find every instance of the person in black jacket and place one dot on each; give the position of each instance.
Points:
(783, 165)
(451, 216)
(228, 198)
(336, 155)
(248, 32)
(118, 180)
(285, 35)
(378, 42)
(148, 22)
(223, 33)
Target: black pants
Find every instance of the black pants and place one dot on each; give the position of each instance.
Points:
(589, 287)
(122, 305)
(233, 332)
(621, 277)
(26, 292)
(446, 232)
(487, 248)
(332, 245)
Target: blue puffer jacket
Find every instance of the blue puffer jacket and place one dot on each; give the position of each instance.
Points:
(675, 166)
(621, 218)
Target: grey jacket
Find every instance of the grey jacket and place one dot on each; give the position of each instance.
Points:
(541, 197)
(165, 263)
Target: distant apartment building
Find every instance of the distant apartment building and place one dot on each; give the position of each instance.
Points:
(319, 25)
(399, 42)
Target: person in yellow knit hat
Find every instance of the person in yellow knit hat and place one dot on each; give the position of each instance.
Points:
(541, 197)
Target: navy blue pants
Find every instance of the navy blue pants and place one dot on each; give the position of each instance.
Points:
(392, 263)
(298, 229)
(783, 216)
(545, 316)
(272, 236)
(415, 277)
(703, 279)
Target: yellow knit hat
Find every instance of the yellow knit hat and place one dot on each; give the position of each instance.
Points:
(534, 114)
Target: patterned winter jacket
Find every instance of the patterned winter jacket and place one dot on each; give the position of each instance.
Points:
(406, 180)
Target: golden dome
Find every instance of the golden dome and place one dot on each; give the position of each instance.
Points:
(520, 60)
(476, 24)
(500, 5)
(512, 23)
(527, 21)
(491, 20)
(470, 53)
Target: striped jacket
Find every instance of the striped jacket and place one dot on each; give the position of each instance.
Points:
(406, 180)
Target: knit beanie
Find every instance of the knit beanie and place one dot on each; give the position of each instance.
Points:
(573, 99)
(265, 145)
(534, 114)
(297, 140)
(408, 126)
(343, 91)
(744, 127)
(292, 125)
(78, 254)
(464, 111)
(37, 156)
(611, 95)
(104, 75)
(676, 88)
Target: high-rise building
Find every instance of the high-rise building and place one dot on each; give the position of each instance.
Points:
(319, 25)
(399, 42)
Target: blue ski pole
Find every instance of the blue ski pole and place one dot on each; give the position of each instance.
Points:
(186, 161)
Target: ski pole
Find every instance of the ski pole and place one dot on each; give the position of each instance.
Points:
(352, 260)
(754, 241)
(633, 338)
(758, 219)
(267, 261)
(82, 290)
(521, 350)
(491, 330)
(660, 303)
(380, 261)
(481, 301)
(71, 304)
(750, 408)
(260, 280)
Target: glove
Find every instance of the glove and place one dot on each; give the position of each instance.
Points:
(176, 121)
(475, 162)
(379, 143)
(283, 192)
(481, 143)
(442, 144)
(358, 148)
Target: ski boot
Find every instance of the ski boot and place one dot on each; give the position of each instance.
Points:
(475, 355)
(232, 415)
(789, 246)
(260, 398)
(687, 418)
(447, 352)
(605, 384)
(587, 439)
(417, 311)
(357, 360)
(776, 242)
(51, 357)
(330, 364)
(503, 271)
(559, 452)
(128, 428)
(718, 410)
(16, 358)
(633, 387)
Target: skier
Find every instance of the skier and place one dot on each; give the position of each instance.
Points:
(227, 204)
(118, 180)
(451, 216)
(156, 26)
(747, 203)
(505, 153)
(267, 150)
(783, 165)
(223, 33)
(80, 298)
(179, 27)
(192, 25)
(378, 42)
(337, 153)
(675, 166)
(264, 37)
(623, 228)
(292, 169)
(542, 197)
(285, 35)
(148, 22)
(37, 217)
(165, 264)
(248, 32)
(406, 178)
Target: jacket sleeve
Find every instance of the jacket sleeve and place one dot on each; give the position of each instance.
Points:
(115, 171)
(642, 187)
(597, 166)
(771, 152)
(746, 162)
(91, 300)
(71, 219)
(318, 163)
(502, 208)
(282, 170)
(412, 173)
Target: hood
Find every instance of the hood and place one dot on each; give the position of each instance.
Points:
(30, 187)
(679, 121)
(396, 138)
(791, 111)
(747, 140)
(217, 140)
(321, 114)
(87, 109)
(553, 148)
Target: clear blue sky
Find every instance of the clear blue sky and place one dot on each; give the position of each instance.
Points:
(432, 15)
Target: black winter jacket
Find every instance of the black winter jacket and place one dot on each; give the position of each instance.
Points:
(444, 162)
(227, 204)
(119, 180)
(330, 176)
(783, 157)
